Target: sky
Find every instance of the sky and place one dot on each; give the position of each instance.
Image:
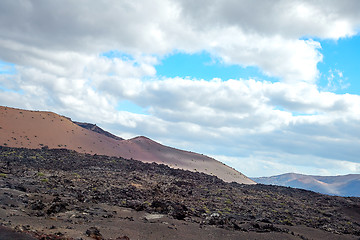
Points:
(267, 87)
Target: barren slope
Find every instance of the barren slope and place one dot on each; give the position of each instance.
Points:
(152, 151)
(35, 129)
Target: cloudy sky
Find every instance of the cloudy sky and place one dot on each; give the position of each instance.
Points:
(267, 87)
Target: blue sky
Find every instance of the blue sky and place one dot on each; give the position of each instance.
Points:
(203, 66)
(342, 55)
(7, 68)
(341, 63)
(266, 90)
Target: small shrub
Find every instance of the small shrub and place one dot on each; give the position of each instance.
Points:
(3, 175)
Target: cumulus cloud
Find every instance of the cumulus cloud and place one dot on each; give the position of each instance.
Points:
(325, 19)
(59, 51)
(248, 33)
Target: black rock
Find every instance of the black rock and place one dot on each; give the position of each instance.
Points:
(94, 233)
(57, 207)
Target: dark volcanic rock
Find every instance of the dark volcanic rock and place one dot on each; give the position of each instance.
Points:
(93, 232)
(179, 211)
(37, 205)
(67, 182)
(123, 238)
(57, 207)
(8, 234)
(160, 206)
(97, 129)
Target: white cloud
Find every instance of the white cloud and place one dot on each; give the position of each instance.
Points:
(58, 50)
(261, 164)
(51, 35)
(295, 19)
(239, 117)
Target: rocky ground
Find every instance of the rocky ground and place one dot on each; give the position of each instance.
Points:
(61, 194)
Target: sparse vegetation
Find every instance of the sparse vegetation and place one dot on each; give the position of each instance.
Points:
(44, 180)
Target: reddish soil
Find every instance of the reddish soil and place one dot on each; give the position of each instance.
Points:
(35, 129)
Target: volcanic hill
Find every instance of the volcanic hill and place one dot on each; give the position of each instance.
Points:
(38, 129)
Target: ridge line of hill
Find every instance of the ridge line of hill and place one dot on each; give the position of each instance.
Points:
(35, 129)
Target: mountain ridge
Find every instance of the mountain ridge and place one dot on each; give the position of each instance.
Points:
(342, 185)
(36, 129)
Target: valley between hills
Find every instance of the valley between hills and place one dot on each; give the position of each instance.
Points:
(61, 180)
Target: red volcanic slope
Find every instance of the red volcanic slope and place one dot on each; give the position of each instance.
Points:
(35, 129)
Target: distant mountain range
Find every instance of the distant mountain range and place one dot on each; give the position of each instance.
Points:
(37, 129)
(345, 185)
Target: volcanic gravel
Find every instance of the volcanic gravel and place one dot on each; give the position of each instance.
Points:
(66, 185)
